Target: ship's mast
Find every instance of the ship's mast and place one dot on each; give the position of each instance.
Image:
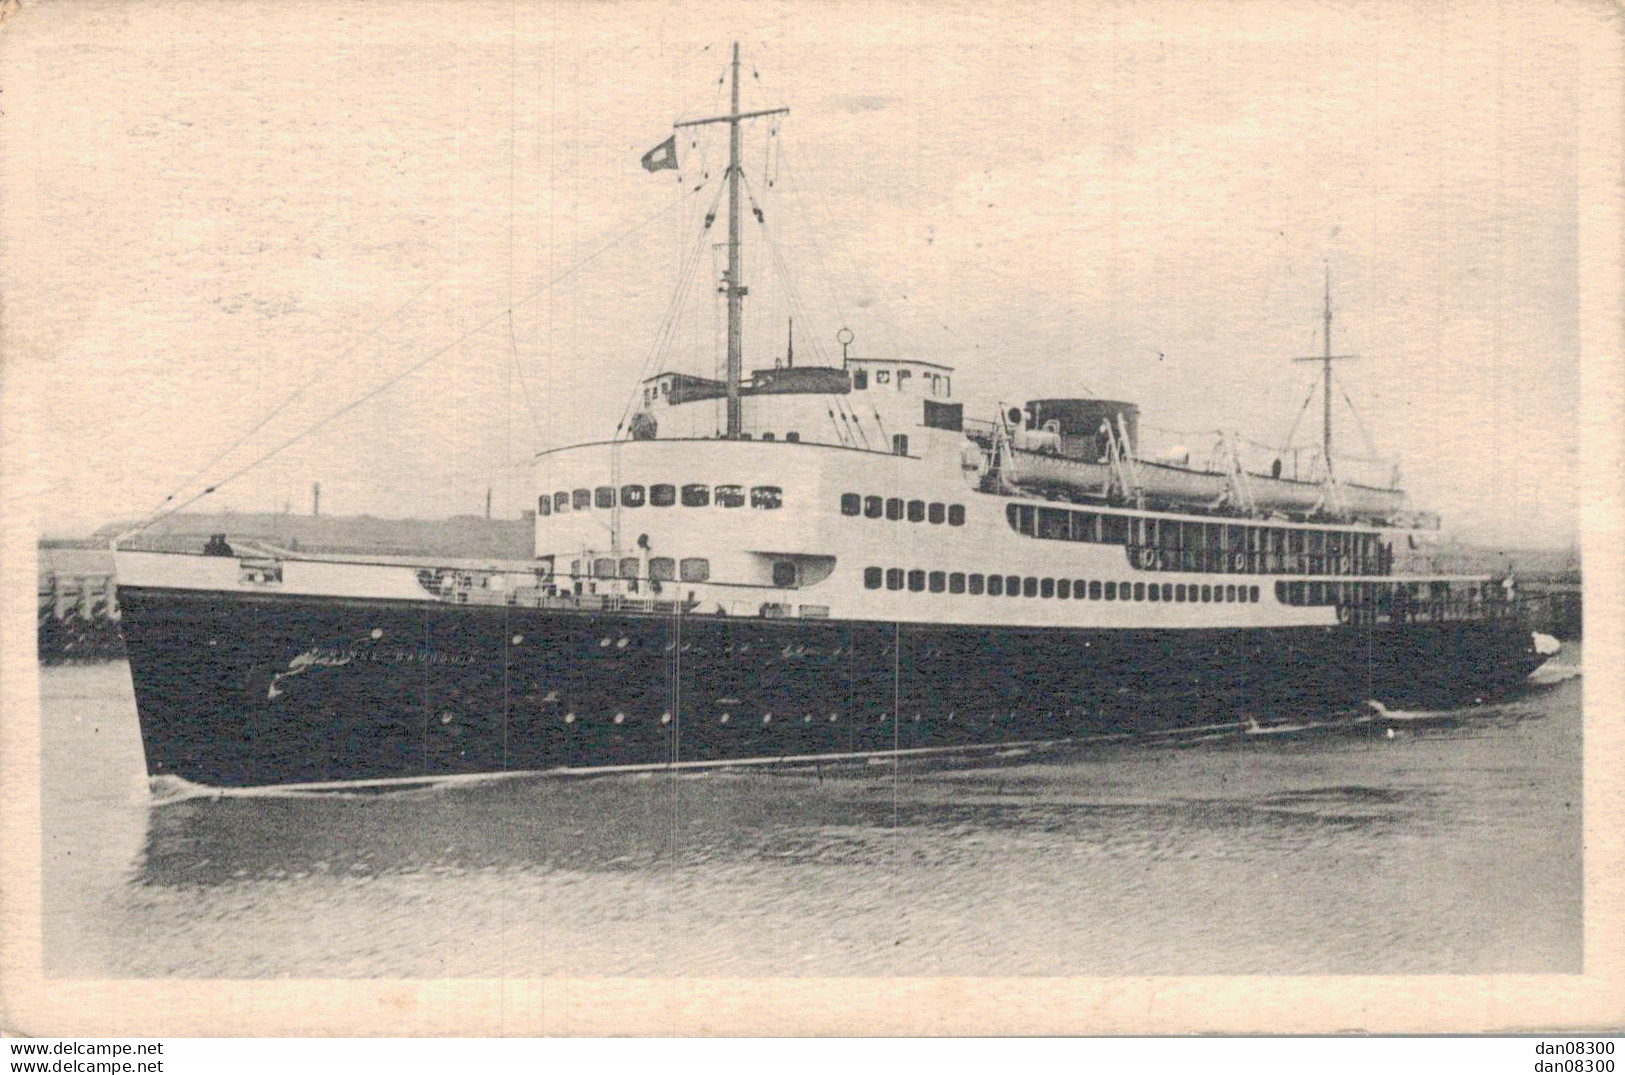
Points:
(1326, 358)
(735, 290)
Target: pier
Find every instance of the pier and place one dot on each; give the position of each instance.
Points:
(78, 616)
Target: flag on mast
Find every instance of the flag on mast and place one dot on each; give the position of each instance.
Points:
(662, 156)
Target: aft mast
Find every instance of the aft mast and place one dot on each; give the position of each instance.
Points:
(735, 290)
(1326, 359)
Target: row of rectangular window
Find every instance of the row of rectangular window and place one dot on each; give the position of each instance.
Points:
(764, 497)
(941, 383)
(1382, 594)
(1184, 545)
(661, 568)
(897, 509)
(956, 582)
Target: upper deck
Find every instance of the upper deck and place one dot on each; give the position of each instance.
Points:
(864, 404)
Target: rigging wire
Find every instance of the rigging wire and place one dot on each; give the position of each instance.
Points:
(397, 378)
(513, 336)
(792, 293)
(286, 403)
(812, 232)
(1286, 445)
(666, 331)
(1359, 424)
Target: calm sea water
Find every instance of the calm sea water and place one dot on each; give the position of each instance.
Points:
(1450, 844)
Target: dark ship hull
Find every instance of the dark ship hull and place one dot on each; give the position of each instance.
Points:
(250, 690)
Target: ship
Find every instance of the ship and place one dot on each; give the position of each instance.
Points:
(815, 562)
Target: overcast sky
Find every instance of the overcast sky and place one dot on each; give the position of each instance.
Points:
(220, 207)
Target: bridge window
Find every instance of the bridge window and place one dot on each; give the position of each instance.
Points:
(696, 569)
(974, 584)
(894, 578)
(766, 497)
(581, 499)
(851, 504)
(956, 582)
(1063, 588)
(995, 585)
(872, 578)
(1230, 593)
(544, 505)
(1139, 591)
(916, 581)
(793, 438)
(767, 436)
(1111, 591)
(603, 568)
(956, 515)
(936, 512)
(604, 496)
(696, 496)
(894, 508)
(872, 507)
(662, 496)
(561, 502)
(662, 568)
(1252, 594)
(899, 444)
(629, 567)
(1046, 587)
(730, 496)
(1155, 594)
(1094, 590)
(631, 496)
(937, 582)
(916, 511)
